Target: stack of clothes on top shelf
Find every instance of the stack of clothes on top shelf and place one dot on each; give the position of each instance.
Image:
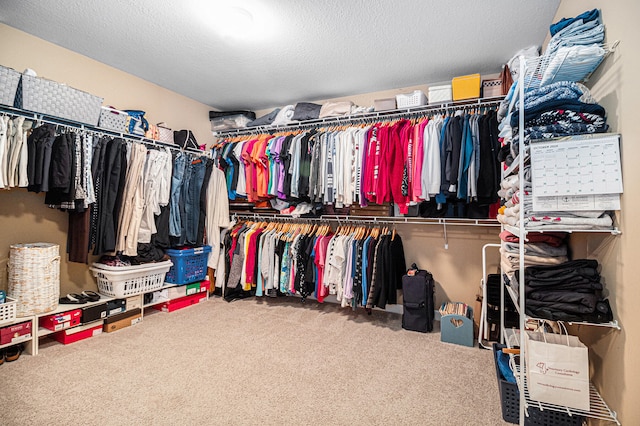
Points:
(570, 291)
(555, 104)
(509, 213)
(540, 249)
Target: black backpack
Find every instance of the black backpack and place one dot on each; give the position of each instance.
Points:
(417, 300)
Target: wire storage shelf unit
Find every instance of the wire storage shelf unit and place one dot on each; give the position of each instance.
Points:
(559, 63)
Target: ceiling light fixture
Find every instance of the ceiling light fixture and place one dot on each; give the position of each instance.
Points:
(235, 22)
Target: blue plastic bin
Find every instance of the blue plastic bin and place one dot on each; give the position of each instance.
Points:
(189, 265)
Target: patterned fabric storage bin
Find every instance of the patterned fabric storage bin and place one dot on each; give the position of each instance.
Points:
(58, 100)
(9, 80)
(492, 88)
(166, 134)
(114, 119)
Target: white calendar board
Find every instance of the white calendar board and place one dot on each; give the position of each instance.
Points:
(578, 166)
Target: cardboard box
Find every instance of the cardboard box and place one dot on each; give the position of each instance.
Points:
(123, 320)
(188, 289)
(116, 306)
(94, 313)
(14, 332)
(61, 320)
(78, 333)
(134, 302)
(183, 302)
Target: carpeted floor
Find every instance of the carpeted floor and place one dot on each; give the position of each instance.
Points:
(273, 362)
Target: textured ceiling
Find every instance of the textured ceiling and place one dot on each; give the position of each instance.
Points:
(287, 51)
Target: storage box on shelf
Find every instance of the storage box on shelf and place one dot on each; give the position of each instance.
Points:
(114, 119)
(384, 104)
(61, 320)
(134, 302)
(78, 333)
(189, 265)
(414, 99)
(440, 94)
(182, 302)
(125, 281)
(123, 320)
(59, 100)
(15, 333)
(466, 87)
(94, 312)
(492, 88)
(9, 81)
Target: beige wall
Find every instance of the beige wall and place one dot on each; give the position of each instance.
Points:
(615, 354)
(23, 215)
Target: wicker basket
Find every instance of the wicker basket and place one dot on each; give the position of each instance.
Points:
(9, 79)
(58, 100)
(34, 277)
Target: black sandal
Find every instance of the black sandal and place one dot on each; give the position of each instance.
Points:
(91, 296)
(12, 353)
(73, 299)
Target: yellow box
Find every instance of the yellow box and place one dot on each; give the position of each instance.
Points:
(466, 87)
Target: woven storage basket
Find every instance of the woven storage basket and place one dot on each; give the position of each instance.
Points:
(9, 79)
(34, 277)
(58, 100)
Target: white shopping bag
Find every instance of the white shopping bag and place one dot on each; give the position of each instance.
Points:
(557, 369)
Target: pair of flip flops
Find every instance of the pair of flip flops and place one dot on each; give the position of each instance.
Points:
(80, 298)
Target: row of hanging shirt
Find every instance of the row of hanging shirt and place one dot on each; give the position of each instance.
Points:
(404, 161)
(118, 193)
(361, 265)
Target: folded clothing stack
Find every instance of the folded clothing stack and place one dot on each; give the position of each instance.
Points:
(570, 291)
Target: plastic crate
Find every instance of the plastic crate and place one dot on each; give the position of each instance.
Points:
(8, 310)
(510, 402)
(189, 265)
(125, 281)
(417, 98)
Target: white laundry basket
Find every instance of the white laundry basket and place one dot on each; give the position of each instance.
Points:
(34, 277)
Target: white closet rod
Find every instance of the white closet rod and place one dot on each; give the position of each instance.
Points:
(368, 116)
(376, 220)
(68, 124)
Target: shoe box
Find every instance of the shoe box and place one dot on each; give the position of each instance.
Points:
(123, 320)
(62, 320)
(94, 312)
(133, 302)
(14, 332)
(188, 289)
(116, 306)
(182, 302)
(78, 333)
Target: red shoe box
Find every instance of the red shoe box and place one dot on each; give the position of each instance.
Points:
(10, 333)
(183, 302)
(78, 333)
(62, 320)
